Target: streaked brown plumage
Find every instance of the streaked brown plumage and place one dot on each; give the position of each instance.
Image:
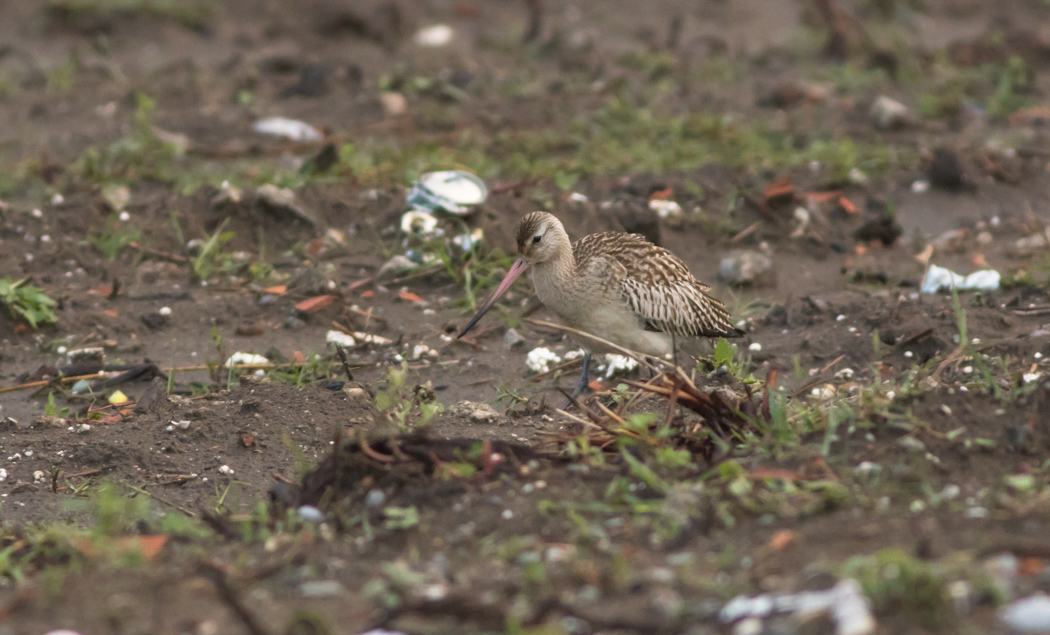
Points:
(617, 286)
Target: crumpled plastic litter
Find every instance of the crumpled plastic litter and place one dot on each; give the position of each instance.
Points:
(845, 602)
(454, 191)
(938, 278)
(417, 222)
(466, 242)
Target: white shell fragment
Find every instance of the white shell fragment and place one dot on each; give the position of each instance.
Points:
(310, 513)
(615, 364)
(539, 360)
(289, 128)
(245, 358)
(1028, 615)
(372, 339)
(938, 278)
(665, 208)
(339, 338)
(434, 36)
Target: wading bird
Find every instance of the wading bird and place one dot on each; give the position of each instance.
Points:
(618, 287)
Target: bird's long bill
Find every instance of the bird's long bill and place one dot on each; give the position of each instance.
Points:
(516, 270)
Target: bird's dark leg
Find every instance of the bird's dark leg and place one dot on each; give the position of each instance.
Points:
(582, 383)
(674, 351)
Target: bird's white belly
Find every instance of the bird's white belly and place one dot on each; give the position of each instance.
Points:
(606, 317)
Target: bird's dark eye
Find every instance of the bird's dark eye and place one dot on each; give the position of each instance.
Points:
(536, 239)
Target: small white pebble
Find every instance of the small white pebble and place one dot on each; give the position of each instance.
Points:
(909, 354)
(125, 217)
(1038, 355)
(967, 369)
(165, 310)
(920, 186)
(917, 506)
(37, 213)
(507, 514)
(754, 346)
(57, 199)
(225, 469)
(840, 318)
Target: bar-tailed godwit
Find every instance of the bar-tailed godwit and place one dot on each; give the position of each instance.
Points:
(616, 286)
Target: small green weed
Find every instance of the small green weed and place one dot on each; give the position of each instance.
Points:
(213, 257)
(192, 14)
(137, 156)
(400, 517)
(113, 238)
(51, 409)
(407, 408)
(27, 302)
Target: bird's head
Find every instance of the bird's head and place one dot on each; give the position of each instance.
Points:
(541, 238)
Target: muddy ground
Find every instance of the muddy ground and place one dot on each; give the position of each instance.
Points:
(911, 448)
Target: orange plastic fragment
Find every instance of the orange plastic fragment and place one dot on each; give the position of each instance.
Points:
(780, 191)
(111, 313)
(280, 289)
(822, 197)
(662, 195)
(315, 303)
(1031, 566)
(848, 205)
(148, 546)
(408, 296)
(782, 538)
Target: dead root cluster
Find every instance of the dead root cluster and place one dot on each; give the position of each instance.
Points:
(696, 420)
(356, 466)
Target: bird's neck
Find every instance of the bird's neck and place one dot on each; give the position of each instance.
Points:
(555, 277)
